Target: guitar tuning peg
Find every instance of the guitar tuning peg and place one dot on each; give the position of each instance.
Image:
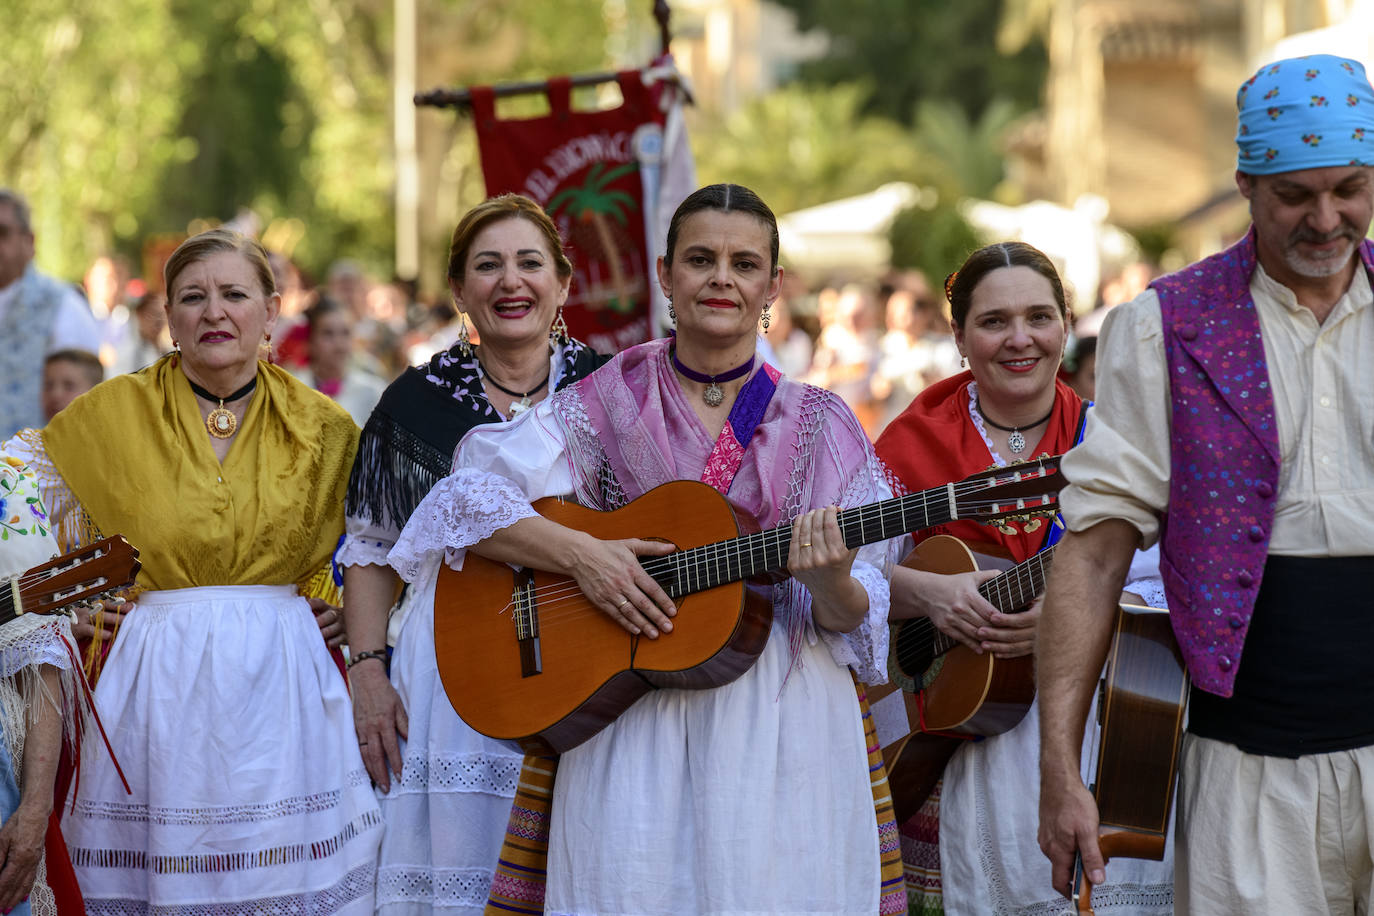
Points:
(1032, 525)
(1006, 529)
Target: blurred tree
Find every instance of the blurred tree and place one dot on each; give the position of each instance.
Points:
(129, 117)
(965, 155)
(92, 96)
(918, 50)
(934, 240)
(804, 145)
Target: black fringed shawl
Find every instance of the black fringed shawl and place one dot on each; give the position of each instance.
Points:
(408, 443)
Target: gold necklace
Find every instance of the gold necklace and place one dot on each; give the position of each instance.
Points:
(220, 422)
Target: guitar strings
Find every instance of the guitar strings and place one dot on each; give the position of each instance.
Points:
(550, 597)
(724, 551)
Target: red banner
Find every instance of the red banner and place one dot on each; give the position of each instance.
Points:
(584, 168)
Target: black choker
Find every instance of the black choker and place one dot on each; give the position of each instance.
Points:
(221, 422)
(713, 396)
(1016, 442)
(523, 403)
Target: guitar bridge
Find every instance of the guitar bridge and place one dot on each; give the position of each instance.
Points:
(527, 623)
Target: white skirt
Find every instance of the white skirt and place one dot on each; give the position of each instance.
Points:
(990, 862)
(750, 798)
(235, 731)
(446, 816)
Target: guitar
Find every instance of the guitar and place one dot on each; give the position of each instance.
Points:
(1141, 708)
(88, 572)
(946, 687)
(524, 656)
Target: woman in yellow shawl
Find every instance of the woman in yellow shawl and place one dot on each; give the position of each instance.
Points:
(219, 696)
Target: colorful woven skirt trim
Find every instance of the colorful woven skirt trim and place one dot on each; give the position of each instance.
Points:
(521, 872)
(892, 892)
(517, 886)
(921, 857)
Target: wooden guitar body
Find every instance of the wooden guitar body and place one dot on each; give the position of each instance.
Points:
(970, 694)
(973, 694)
(591, 670)
(1141, 711)
(525, 657)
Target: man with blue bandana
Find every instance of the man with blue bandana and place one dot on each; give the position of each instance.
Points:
(1235, 425)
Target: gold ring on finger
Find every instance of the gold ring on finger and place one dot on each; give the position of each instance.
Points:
(806, 544)
(623, 602)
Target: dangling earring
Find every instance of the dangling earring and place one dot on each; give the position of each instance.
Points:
(672, 313)
(767, 319)
(558, 333)
(963, 362)
(464, 342)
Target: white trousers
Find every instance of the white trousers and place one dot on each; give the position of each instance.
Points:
(1269, 835)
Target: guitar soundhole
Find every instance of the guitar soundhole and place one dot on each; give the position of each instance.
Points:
(914, 646)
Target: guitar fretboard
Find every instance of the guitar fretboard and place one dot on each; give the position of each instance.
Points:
(711, 565)
(1016, 588)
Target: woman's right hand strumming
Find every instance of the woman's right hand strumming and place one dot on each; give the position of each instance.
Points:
(952, 602)
(610, 575)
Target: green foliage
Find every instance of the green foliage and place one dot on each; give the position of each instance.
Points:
(123, 118)
(934, 241)
(802, 146)
(967, 155)
(92, 97)
(917, 50)
(1155, 239)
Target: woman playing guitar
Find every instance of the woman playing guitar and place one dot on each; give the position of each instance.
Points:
(754, 796)
(972, 847)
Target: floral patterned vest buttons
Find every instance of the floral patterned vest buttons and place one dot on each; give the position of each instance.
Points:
(1224, 455)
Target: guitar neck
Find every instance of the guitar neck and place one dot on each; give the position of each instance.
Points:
(1019, 586)
(749, 556)
(7, 601)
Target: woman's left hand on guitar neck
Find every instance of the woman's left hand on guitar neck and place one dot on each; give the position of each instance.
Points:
(820, 561)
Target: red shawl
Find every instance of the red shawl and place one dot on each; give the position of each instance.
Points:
(934, 442)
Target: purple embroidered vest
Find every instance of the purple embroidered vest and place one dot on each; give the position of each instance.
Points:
(1224, 455)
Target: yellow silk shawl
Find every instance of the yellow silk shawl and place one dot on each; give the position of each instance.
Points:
(135, 453)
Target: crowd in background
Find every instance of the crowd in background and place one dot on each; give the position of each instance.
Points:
(877, 344)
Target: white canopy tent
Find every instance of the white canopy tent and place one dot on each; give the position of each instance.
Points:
(849, 237)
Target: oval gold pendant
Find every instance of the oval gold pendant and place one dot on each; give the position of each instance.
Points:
(221, 423)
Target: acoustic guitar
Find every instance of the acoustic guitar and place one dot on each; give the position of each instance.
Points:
(524, 656)
(89, 572)
(945, 687)
(1144, 696)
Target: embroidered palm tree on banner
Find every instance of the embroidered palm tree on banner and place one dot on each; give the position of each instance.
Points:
(599, 217)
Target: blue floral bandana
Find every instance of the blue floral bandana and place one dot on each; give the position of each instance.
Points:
(1305, 113)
